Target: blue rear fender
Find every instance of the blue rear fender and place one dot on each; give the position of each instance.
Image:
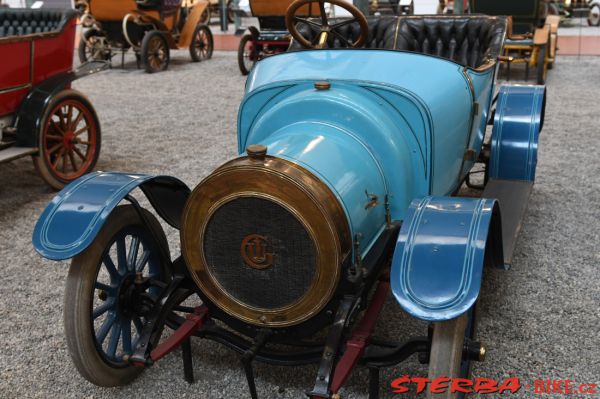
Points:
(442, 247)
(76, 214)
(518, 122)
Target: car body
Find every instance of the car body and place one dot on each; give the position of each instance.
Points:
(35, 86)
(350, 160)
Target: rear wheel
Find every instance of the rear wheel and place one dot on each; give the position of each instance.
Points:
(201, 47)
(594, 16)
(247, 54)
(105, 302)
(205, 16)
(69, 139)
(230, 12)
(93, 46)
(541, 65)
(155, 52)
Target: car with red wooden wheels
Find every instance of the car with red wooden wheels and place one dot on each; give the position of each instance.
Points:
(40, 114)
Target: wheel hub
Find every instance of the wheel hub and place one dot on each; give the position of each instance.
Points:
(133, 299)
(69, 140)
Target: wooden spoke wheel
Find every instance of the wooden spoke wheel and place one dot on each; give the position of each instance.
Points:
(111, 288)
(248, 54)
(201, 47)
(155, 52)
(93, 46)
(69, 139)
(447, 357)
(594, 16)
(230, 12)
(205, 16)
(542, 64)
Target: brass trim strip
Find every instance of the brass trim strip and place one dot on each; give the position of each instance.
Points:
(397, 33)
(15, 88)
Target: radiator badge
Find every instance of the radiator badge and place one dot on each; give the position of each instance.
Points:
(255, 252)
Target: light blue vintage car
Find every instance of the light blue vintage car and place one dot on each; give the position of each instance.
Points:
(347, 183)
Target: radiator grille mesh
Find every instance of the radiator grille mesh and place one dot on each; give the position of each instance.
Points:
(293, 265)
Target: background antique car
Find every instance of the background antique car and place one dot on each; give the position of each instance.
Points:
(447, 7)
(594, 13)
(271, 38)
(532, 34)
(346, 183)
(214, 8)
(396, 7)
(149, 27)
(40, 115)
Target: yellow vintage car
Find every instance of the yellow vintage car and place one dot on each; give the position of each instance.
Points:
(531, 36)
(149, 27)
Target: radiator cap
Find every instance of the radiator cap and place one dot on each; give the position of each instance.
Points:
(256, 151)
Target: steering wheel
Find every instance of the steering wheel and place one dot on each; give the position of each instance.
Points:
(325, 29)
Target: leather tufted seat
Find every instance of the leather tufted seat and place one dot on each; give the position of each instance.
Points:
(23, 21)
(467, 40)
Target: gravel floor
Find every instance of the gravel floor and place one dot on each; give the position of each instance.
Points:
(540, 320)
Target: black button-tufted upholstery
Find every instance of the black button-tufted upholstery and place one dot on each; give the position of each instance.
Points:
(467, 40)
(24, 21)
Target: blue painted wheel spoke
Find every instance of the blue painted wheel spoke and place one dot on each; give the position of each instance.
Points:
(126, 336)
(104, 287)
(111, 268)
(133, 253)
(122, 255)
(113, 342)
(105, 328)
(100, 310)
(143, 261)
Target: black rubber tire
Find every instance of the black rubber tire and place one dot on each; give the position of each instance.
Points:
(202, 45)
(40, 161)
(155, 52)
(541, 66)
(205, 16)
(243, 68)
(230, 12)
(81, 49)
(78, 300)
(589, 19)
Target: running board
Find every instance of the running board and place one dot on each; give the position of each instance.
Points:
(16, 152)
(512, 195)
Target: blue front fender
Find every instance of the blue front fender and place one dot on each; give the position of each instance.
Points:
(439, 257)
(74, 217)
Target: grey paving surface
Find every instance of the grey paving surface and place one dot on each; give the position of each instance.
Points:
(540, 320)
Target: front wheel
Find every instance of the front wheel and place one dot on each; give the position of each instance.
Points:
(110, 288)
(201, 47)
(69, 139)
(447, 356)
(247, 54)
(594, 16)
(155, 52)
